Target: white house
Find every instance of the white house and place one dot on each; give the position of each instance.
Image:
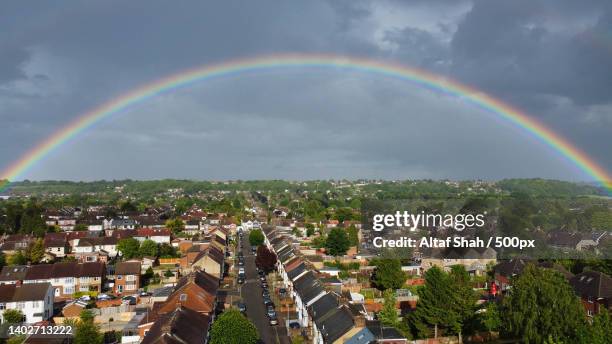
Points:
(159, 235)
(34, 300)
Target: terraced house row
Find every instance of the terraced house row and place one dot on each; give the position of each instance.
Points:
(328, 317)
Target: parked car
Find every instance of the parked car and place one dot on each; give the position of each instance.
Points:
(264, 285)
(242, 307)
(241, 270)
(129, 300)
(240, 279)
(271, 312)
(267, 301)
(282, 291)
(273, 320)
(294, 325)
(103, 297)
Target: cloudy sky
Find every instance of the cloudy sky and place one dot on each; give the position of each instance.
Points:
(550, 58)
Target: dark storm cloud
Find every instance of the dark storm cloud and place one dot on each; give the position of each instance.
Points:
(549, 58)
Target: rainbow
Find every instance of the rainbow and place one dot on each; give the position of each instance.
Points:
(418, 77)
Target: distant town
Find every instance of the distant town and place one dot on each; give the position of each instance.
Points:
(177, 261)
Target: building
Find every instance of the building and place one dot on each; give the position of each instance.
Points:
(68, 277)
(127, 277)
(180, 326)
(159, 235)
(35, 300)
(595, 291)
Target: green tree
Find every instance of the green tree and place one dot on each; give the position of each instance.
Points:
(167, 251)
(388, 274)
(337, 242)
(31, 219)
(12, 316)
(175, 225)
(541, 304)
(310, 229)
(16, 339)
(86, 331)
(232, 327)
(17, 258)
(37, 251)
(128, 247)
(256, 237)
(353, 235)
(490, 318)
(388, 314)
(600, 332)
(148, 248)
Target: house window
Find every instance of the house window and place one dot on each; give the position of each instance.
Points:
(119, 277)
(590, 313)
(69, 290)
(20, 305)
(2, 306)
(35, 304)
(130, 278)
(183, 297)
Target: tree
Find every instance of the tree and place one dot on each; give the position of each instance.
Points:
(37, 251)
(337, 242)
(175, 225)
(167, 251)
(353, 235)
(490, 318)
(18, 258)
(388, 314)
(266, 259)
(232, 327)
(310, 230)
(12, 316)
(541, 304)
(463, 306)
(148, 248)
(128, 247)
(388, 274)
(256, 237)
(600, 332)
(31, 219)
(86, 331)
(432, 310)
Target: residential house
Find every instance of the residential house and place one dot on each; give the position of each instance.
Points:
(180, 326)
(35, 301)
(13, 274)
(127, 277)
(120, 223)
(10, 244)
(56, 246)
(196, 291)
(306, 290)
(159, 235)
(595, 291)
(92, 245)
(211, 260)
(68, 277)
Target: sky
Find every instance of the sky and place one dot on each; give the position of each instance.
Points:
(550, 58)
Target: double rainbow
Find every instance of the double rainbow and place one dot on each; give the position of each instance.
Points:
(208, 72)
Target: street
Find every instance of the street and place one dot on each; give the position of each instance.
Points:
(251, 293)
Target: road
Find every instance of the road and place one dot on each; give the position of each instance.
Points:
(251, 294)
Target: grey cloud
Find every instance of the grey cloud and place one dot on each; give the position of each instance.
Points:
(303, 123)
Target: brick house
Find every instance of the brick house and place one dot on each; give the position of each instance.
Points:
(127, 277)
